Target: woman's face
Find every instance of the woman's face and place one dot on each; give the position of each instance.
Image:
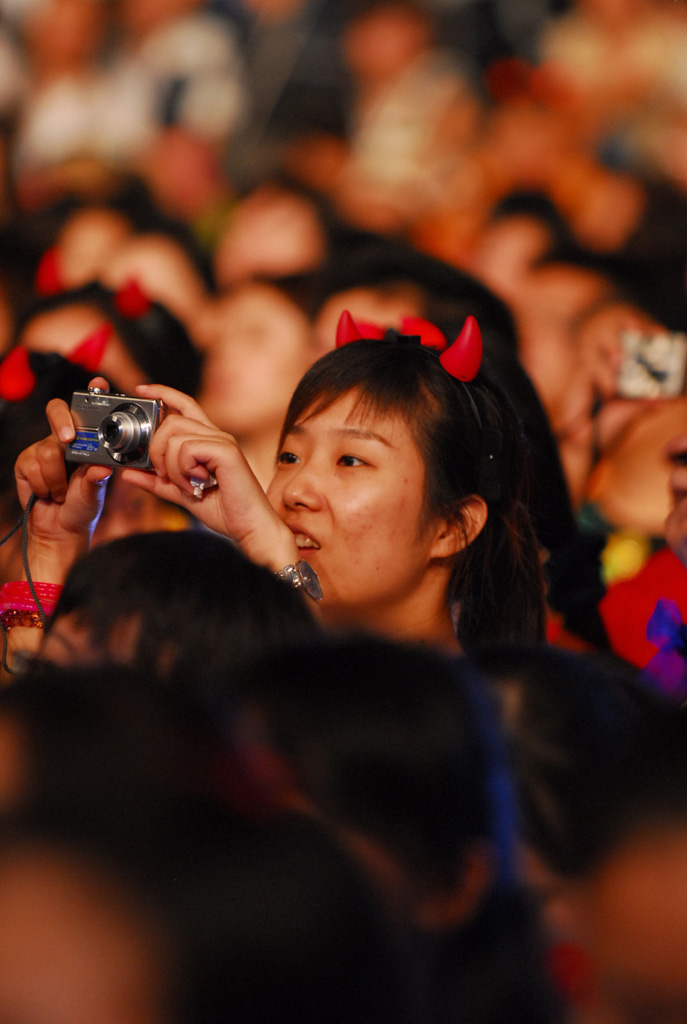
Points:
(257, 348)
(351, 489)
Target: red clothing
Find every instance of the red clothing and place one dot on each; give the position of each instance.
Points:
(628, 605)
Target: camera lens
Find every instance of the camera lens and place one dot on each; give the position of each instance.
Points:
(125, 433)
(120, 432)
(111, 432)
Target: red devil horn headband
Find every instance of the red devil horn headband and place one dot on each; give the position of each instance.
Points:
(89, 352)
(462, 359)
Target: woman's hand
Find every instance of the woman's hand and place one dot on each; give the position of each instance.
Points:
(63, 519)
(187, 447)
(676, 522)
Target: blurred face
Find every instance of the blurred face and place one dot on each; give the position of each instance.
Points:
(636, 918)
(506, 251)
(384, 42)
(257, 347)
(63, 34)
(163, 270)
(87, 242)
(351, 490)
(71, 949)
(63, 330)
(548, 303)
(273, 233)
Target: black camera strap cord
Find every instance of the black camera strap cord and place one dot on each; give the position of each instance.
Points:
(23, 525)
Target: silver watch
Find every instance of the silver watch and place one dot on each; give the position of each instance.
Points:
(301, 574)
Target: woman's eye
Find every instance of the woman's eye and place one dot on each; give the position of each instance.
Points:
(286, 458)
(351, 460)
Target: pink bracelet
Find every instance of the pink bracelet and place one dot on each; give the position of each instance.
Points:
(17, 597)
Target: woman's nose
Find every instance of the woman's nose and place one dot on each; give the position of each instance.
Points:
(302, 489)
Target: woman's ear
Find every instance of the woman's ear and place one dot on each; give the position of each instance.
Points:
(455, 535)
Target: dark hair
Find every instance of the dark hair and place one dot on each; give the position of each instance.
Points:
(257, 923)
(496, 581)
(647, 792)
(265, 917)
(200, 607)
(447, 296)
(572, 720)
(400, 744)
(156, 340)
(535, 206)
(396, 741)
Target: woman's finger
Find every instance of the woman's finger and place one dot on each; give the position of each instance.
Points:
(173, 428)
(60, 420)
(41, 470)
(176, 401)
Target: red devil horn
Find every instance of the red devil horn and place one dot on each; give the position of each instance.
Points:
(131, 300)
(346, 330)
(462, 359)
(430, 335)
(89, 352)
(17, 379)
(49, 273)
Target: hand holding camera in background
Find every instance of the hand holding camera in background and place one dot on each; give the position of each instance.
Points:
(654, 364)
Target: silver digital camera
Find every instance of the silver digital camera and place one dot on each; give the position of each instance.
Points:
(113, 430)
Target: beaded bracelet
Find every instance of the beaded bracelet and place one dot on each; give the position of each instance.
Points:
(15, 617)
(18, 606)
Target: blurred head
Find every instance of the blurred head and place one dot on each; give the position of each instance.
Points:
(552, 297)
(76, 945)
(571, 720)
(257, 345)
(147, 343)
(64, 35)
(186, 604)
(398, 752)
(386, 38)
(276, 231)
(87, 241)
(523, 227)
(635, 901)
(163, 268)
(123, 867)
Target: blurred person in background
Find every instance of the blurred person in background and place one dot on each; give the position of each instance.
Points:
(412, 112)
(257, 344)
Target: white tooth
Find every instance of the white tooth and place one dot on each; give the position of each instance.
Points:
(305, 542)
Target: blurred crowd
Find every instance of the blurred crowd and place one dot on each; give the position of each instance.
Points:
(211, 808)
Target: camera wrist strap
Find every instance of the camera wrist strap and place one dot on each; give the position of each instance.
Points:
(23, 525)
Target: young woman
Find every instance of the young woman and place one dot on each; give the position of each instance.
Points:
(403, 486)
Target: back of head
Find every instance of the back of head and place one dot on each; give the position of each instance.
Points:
(257, 922)
(155, 339)
(572, 721)
(395, 746)
(186, 604)
(394, 742)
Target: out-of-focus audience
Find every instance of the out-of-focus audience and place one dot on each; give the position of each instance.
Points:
(230, 797)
